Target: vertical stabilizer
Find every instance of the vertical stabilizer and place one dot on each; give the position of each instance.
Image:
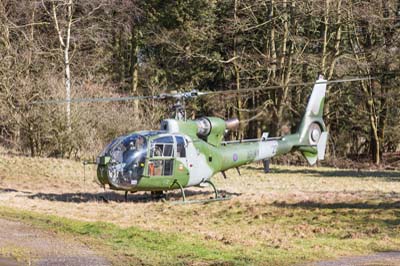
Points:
(312, 131)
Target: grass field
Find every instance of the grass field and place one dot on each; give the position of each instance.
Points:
(292, 215)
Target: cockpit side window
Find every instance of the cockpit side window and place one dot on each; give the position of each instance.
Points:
(162, 147)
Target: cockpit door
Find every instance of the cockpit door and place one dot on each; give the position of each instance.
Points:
(167, 165)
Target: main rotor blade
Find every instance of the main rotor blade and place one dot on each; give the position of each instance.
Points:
(93, 100)
(193, 94)
(274, 87)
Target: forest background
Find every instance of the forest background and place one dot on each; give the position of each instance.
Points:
(60, 49)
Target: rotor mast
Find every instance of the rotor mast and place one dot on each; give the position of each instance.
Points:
(179, 108)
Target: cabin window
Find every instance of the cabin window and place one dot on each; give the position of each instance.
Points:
(168, 166)
(180, 147)
(160, 167)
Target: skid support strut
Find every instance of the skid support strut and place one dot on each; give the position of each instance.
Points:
(126, 196)
(217, 197)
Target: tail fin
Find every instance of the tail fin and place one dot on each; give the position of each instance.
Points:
(312, 131)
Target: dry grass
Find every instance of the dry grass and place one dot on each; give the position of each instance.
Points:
(292, 213)
(17, 253)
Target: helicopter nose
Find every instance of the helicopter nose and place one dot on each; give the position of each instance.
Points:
(102, 175)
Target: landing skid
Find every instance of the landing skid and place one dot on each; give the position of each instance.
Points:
(198, 201)
(159, 195)
(217, 197)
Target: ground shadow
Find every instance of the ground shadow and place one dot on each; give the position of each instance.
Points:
(113, 196)
(358, 212)
(386, 175)
(10, 190)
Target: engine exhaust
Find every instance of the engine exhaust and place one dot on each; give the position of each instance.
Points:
(232, 123)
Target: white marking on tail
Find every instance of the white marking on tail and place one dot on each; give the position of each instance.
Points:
(318, 93)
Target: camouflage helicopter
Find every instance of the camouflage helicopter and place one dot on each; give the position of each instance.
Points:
(186, 153)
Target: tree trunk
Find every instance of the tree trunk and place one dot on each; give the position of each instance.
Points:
(237, 76)
(135, 67)
(285, 68)
(67, 65)
(366, 86)
(65, 45)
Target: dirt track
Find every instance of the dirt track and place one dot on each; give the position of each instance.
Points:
(36, 247)
(379, 259)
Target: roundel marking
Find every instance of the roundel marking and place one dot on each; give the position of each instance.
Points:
(235, 157)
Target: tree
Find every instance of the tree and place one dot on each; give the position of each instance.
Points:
(63, 27)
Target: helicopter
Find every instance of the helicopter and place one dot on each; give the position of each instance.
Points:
(185, 153)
